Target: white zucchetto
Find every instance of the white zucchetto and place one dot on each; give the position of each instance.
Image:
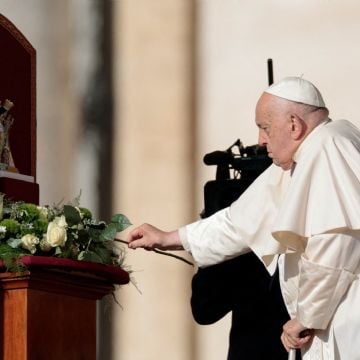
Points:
(297, 89)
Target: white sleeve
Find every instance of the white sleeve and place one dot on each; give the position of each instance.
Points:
(328, 267)
(245, 225)
(212, 240)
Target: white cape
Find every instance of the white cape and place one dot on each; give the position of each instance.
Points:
(324, 192)
(282, 214)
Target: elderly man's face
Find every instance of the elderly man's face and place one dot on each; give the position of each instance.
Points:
(275, 131)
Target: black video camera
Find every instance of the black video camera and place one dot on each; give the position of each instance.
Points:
(237, 168)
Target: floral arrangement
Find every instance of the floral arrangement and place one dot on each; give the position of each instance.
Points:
(65, 231)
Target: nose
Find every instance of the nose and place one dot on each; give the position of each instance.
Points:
(262, 138)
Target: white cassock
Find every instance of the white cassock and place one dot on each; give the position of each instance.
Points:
(308, 221)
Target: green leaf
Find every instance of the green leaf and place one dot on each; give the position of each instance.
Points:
(109, 232)
(94, 234)
(104, 254)
(58, 250)
(72, 215)
(6, 249)
(14, 243)
(82, 236)
(100, 225)
(88, 255)
(121, 222)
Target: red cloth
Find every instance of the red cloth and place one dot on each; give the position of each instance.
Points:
(114, 274)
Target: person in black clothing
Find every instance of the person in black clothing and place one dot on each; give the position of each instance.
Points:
(243, 286)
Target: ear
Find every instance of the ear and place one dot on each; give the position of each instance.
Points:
(298, 127)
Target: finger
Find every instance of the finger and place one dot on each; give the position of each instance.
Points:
(136, 244)
(302, 341)
(141, 240)
(291, 342)
(135, 235)
(285, 342)
(298, 342)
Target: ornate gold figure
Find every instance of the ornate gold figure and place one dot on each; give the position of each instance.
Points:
(6, 121)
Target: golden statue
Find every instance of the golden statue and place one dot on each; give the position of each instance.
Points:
(6, 121)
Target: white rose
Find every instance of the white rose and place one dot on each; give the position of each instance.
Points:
(60, 221)
(56, 232)
(29, 242)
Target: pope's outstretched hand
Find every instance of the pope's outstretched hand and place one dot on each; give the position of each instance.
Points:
(149, 237)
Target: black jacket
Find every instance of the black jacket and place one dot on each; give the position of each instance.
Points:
(242, 285)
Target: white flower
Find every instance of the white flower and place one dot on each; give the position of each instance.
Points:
(29, 242)
(2, 229)
(44, 211)
(56, 232)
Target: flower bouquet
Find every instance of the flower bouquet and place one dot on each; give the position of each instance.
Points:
(59, 232)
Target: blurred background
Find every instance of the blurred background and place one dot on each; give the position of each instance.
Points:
(130, 96)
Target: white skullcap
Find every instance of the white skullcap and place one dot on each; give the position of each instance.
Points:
(297, 89)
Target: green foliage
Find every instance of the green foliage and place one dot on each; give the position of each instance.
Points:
(85, 213)
(40, 226)
(12, 226)
(121, 222)
(9, 257)
(109, 232)
(27, 212)
(67, 231)
(72, 215)
(89, 256)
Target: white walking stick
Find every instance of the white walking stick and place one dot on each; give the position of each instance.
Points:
(292, 354)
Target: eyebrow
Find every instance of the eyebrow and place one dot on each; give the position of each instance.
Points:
(265, 124)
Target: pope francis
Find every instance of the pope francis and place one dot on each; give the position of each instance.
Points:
(301, 215)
